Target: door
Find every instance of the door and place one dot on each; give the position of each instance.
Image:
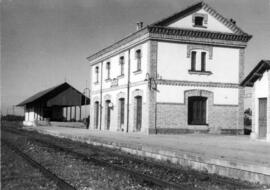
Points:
(108, 115)
(138, 113)
(197, 110)
(96, 114)
(262, 117)
(122, 113)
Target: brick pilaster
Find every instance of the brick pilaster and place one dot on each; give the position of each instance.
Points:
(152, 70)
(241, 92)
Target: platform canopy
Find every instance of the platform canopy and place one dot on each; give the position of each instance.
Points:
(62, 95)
(256, 73)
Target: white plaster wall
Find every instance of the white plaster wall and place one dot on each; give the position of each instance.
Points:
(114, 111)
(26, 116)
(135, 77)
(175, 94)
(174, 64)
(261, 86)
(31, 115)
(212, 25)
(115, 68)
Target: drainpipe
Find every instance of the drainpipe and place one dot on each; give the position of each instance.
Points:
(101, 76)
(128, 90)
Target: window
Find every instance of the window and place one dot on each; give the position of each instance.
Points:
(138, 112)
(138, 57)
(96, 116)
(108, 67)
(193, 60)
(198, 21)
(97, 74)
(198, 63)
(197, 110)
(108, 114)
(122, 62)
(203, 59)
(122, 111)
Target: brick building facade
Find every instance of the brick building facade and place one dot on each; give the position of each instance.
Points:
(180, 74)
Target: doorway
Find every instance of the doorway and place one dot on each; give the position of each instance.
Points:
(262, 117)
(138, 113)
(108, 114)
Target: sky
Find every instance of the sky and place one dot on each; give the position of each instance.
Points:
(46, 42)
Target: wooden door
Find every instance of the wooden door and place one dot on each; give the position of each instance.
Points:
(262, 116)
(108, 114)
(96, 114)
(197, 110)
(138, 113)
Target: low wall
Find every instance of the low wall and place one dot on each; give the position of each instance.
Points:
(228, 168)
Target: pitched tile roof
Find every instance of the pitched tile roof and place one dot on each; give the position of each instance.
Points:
(256, 73)
(49, 93)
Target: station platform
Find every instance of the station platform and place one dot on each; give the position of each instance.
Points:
(236, 157)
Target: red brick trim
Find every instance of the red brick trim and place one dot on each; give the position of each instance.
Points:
(191, 47)
(196, 83)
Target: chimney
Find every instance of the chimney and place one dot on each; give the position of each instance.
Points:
(139, 25)
(232, 21)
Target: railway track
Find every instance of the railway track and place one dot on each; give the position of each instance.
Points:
(119, 162)
(60, 182)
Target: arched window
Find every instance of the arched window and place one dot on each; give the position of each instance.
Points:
(121, 112)
(197, 110)
(96, 114)
(107, 114)
(138, 113)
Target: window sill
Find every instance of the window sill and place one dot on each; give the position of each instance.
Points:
(200, 72)
(202, 124)
(121, 76)
(199, 26)
(137, 72)
(108, 80)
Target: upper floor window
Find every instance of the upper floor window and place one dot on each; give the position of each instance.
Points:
(203, 61)
(198, 21)
(108, 67)
(122, 63)
(138, 56)
(198, 62)
(193, 60)
(97, 74)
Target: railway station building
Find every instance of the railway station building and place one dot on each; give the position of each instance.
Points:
(259, 80)
(61, 103)
(180, 74)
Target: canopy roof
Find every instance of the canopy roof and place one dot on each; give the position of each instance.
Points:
(256, 73)
(60, 95)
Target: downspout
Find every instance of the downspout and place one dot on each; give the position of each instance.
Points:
(101, 76)
(128, 90)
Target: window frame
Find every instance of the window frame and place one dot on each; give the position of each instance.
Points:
(108, 67)
(201, 21)
(138, 56)
(122, 63)
(97, 74)
(197, 110)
